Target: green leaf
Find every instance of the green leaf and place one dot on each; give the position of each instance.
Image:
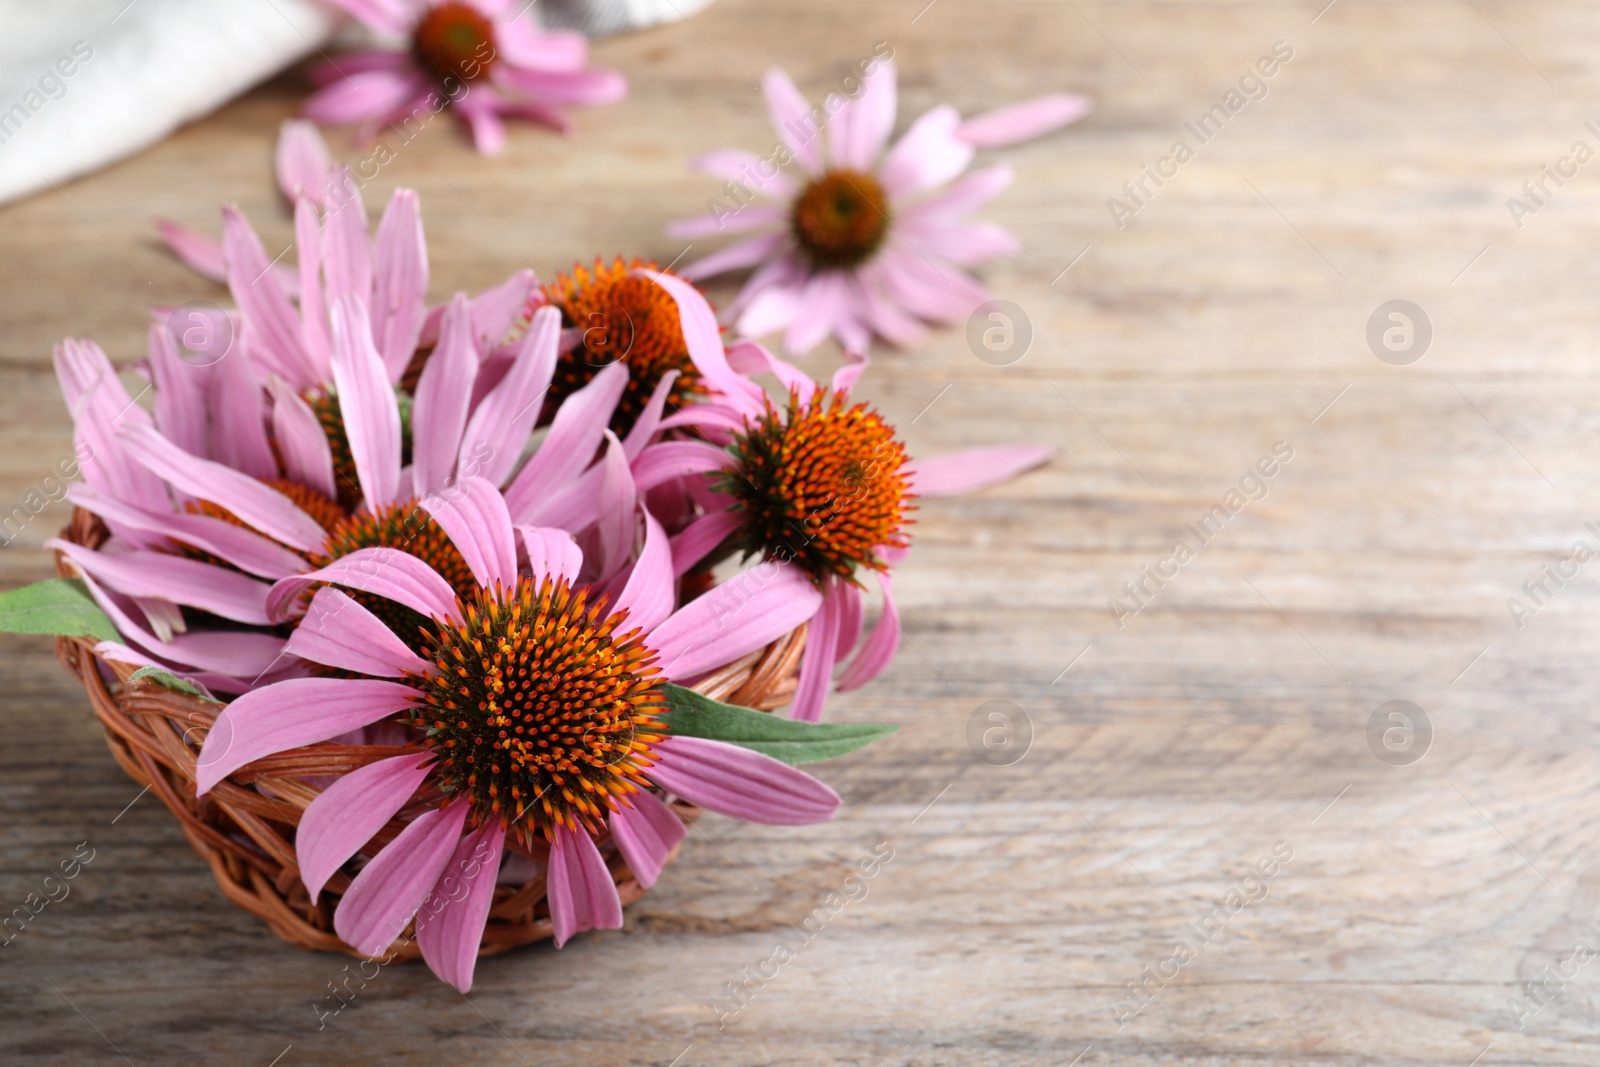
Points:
(60, 606)
(169, 680)
(693, 715)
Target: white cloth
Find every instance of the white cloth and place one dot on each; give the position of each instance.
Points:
(87, 82)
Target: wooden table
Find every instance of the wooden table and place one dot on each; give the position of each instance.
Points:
(1168, 755)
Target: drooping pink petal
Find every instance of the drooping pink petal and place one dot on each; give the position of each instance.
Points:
(617, 506)
(301, 160)
(238, 420)
(384, 897)
(551, 553)
(851, 603)
(473, 515)
(961, 243)
(274, 330)
(338, 632)
(346, 252)
(291, 714)
(879, 647)
(362, 95)
(746, 168)
(559, 88)
(180, 389)
(234, 544)
(727, 223)
(936, 293)
(741, 783)
(581, 893)
(493, 440)
(241, 655)
(960, 197)
(493, 310)
(400, 282)
(747, 612)
(739, 255)
(821, 306)
(695, 541)
(748, 357)
(793, 120)
(927, 155)
(872, 120)
(167, 577)
(969, 470)
(200, 253)
(209, 682)
(770, 299)
(845, 378)
(704, 340)
(261, 506)
(646, 834)
(649, 420)
(439, 412)
(353, 808)
(367, 403)
(821, 654)
(451, 920)
(571, 443)
(301, 441)
(1025, 120)
(387, 572)
(479, 111)
(647, 596)
(886, 317)
(522, 42)
(673, 459)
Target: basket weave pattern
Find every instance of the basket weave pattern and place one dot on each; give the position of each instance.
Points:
(244, 828)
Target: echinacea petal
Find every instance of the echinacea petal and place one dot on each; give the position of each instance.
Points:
(646, 835)
(747, 612)
(616, 502)
(647, 596)
(301, 160)
(180, 387)
(233, 544)
(821, 654)
(956, 473)
(238, 420)
(960, 197)
(704, 340)
(473, 515)
(745, 168)
(741, 783)
(727, 223)
(590, 87)
(386, 572)
(439, 410)
(851, 603)
(793, 120)
(301, 441)
(199, 252)
(362, 95)
(162, 575)
(1025, 120)
(347, 813)
(822, 304)
(337, 631)
(571, 443)
(873, 118)
(451, 919)
(400, 282)
(241, 654)
(649, 420)
(581, 893)
(551, 553)
(667, 460)
(260, 506)
(384, 897)
(739, 255)
(313, 311)
(695, 541)
(367, 403)
(879, 647)
(927, 155)
(346, 251)
(748, 357)
(482, 117)
(301, 711)
(961, 243)
(493, 440)
(274, 328)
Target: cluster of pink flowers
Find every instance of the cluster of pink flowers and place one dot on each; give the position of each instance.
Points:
(375, 521)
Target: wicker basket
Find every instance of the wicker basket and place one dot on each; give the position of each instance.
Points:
(244, 828)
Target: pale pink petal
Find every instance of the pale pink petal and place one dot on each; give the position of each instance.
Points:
(851, 603)
(821, 306)
(499, 428)
(473, 515)
(482, 117)
(748, 357)
(745, 168)
(699, 538)
(242, 655)
(879, 647)
(292, 714)
(167, 577)
(307, 456)
(961, 197)
(259, 505)
(200, 253)
(851, 326)
(873, 119)
(386, 572)
(617, 510)
(367, 404)
(1028, 119)
(646, 835)
(728, 222)
(346, 251)
(439, 412)
(520, 41)
(313, 312)
(704, 340)
(180, 386)
(962, 243)
(845, 378)
(649, 420)
(362, 95)
(939, 294)
(741, 783)
(537, 113)
(246, 550)
(450, 921)
(591, 87)
(239, 420)
(769, 306)
(648, 595)
(581, 892)
(747, 612)
(338, 632)
(821, 654)
(794, 120)
(927, 155)
(384, 897)
(494, 310)
(571, 443)
(400, 282)
(302, 161)
(209, 682)
(274, 329)
(347, 813)
(740, 254)
(663, 462)
(884, 315)
(551, 553)
(969, 470)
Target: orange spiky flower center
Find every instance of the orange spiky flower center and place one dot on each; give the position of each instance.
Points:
(542, 709)
(454, 41)
(840, 219)
(623, 317)
(410, 529)
(821, 485)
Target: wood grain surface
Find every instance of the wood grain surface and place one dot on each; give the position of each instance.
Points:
(1167, 755)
